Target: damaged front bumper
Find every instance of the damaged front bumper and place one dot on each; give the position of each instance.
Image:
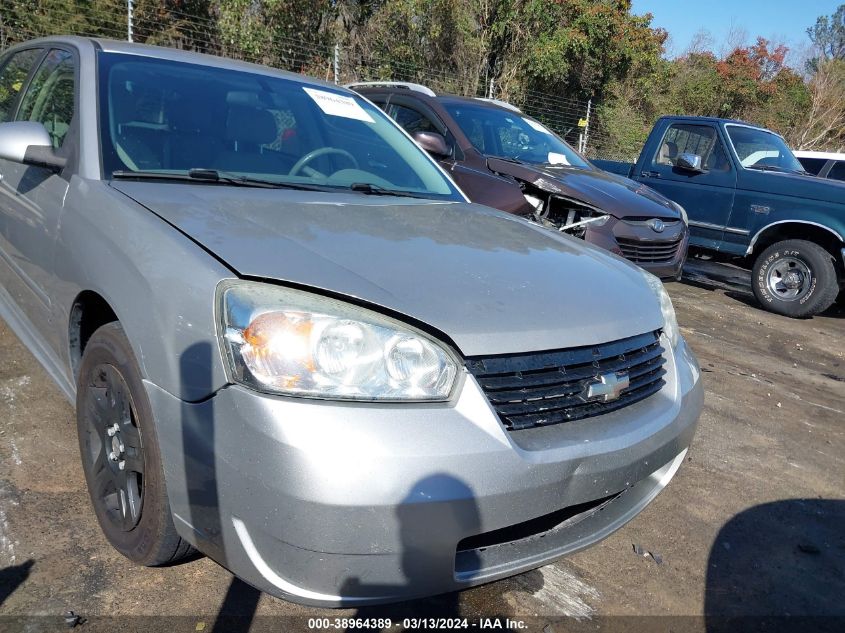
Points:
(657, 245)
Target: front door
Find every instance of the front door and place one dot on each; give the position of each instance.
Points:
(31, 198)
(707, 196)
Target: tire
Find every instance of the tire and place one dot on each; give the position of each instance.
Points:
(795, 278)
(120, 453)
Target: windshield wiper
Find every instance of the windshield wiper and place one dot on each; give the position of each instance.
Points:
(508, 159)
(370, 189)
(211, 176)
(782, 170)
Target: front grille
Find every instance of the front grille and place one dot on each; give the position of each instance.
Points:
(543, 388)
(641, 252)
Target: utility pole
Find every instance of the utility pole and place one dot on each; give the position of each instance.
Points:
(587, 126)
(337, 64)
(129, 20)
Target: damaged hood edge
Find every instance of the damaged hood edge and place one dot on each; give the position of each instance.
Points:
(596, 189)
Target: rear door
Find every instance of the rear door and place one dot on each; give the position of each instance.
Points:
(707, 196)
(31, 197)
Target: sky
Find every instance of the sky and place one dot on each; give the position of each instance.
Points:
(784, 21)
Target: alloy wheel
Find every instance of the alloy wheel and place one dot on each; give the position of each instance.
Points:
(115, 450)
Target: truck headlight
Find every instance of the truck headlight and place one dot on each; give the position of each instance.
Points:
(670, 321)
(296, 343)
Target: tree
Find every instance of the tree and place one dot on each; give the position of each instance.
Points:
(824, 125)
(26, 19)
(828, 35)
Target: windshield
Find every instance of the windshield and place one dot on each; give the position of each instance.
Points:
(495, 132)
(170, 117)
(760, 149)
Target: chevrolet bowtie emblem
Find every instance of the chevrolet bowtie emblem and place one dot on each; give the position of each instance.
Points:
(608, 387)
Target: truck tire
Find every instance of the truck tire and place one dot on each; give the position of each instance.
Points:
(120, 453)
(795, 278)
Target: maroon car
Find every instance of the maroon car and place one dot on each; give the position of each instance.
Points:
(504, 159)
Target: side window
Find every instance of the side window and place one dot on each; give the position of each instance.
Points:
(683, 138)
(412, 120)
(837, 172)
(49, 98)
(13, 76)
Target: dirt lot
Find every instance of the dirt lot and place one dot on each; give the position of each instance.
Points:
(752, 525)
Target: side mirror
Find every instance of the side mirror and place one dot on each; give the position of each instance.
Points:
(433, 143)
(28, 142)
(689, 162)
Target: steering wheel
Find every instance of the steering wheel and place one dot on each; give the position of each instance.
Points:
(322, 151)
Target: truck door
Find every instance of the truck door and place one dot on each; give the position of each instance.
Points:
(708, 195)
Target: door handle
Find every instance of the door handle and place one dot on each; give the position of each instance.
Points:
(650, 174)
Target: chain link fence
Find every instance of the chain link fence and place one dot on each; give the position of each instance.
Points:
(573, 119)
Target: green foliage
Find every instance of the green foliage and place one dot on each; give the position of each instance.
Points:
(549, 56)
(21, 20)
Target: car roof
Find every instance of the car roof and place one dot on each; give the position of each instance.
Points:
(174, 54)
(713, 119)
(803, 153)
(445, 98)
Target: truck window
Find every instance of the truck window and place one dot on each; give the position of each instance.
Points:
(837, 172)
(685, 138)
(757, 148)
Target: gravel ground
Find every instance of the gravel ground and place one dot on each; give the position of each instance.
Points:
(752, 525)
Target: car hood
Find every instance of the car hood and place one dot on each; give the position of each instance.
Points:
(491, 282)
(802, 186)
(621, 197)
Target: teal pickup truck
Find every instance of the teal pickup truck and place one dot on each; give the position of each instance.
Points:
(749, 199)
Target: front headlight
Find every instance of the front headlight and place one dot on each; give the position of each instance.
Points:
(670, 322)
(296, 343)
(534, 201)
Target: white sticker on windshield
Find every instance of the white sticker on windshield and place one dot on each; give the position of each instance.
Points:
(338, 105)
(558, 159)
(536, 126)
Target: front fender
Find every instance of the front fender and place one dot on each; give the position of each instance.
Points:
(159, 283)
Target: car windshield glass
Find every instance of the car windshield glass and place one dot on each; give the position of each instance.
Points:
(760, 149)
(497, 132)
(171, 117)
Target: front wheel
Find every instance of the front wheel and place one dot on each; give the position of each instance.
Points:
(795, 278)
(120, 455)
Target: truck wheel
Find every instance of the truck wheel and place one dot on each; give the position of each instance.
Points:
(795, 278)
(120, 455)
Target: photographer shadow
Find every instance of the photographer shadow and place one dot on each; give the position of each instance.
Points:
(434, 507)
(779, 567)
